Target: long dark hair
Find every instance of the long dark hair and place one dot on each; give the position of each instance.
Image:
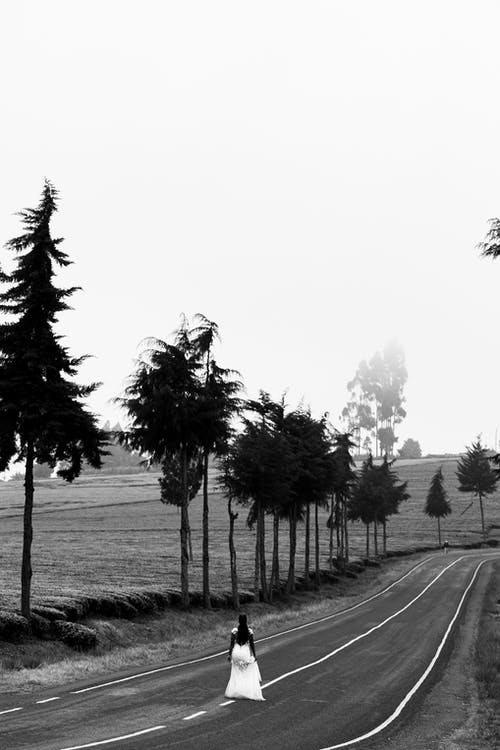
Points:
(243, 634)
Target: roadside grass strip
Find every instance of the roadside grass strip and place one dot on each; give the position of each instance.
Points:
(259, 640)
(362, 635)
(115, 739)
(419, 682)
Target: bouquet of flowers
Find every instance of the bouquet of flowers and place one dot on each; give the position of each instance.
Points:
(242, 664)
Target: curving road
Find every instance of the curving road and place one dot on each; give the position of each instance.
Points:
(342, 681)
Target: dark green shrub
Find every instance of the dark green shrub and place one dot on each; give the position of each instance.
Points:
(75, 635)
(12, 625)
(41, 626)
(49, 613)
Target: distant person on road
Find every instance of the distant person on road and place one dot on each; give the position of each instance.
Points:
(245, 678)
(445, 546)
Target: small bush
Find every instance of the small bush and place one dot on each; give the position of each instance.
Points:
(41, 626)
(218, 601)
(75, 635)
(12, 625)
(49, 613)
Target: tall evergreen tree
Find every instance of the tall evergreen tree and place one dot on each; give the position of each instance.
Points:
(437, 505)
(42, 415)
(258, 473)
(343, 481)
(220, 402)
(163, 402)
(360, 506)
(475, 475)
(377, 495)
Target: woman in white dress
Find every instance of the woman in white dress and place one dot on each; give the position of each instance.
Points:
(245, 678)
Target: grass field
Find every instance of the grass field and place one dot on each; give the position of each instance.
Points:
(105, 534)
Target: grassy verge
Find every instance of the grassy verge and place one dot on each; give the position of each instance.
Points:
(122, 644)
(488, 663)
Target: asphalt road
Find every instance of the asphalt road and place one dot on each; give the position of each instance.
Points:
(347, 680)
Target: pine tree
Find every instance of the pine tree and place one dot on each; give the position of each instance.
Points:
(475, 475)
(41, 413)
(437, 505)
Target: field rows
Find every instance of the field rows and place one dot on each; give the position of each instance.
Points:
(104, 534)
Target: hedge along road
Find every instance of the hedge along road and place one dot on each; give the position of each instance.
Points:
(340, 682)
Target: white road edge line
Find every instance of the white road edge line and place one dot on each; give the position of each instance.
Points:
(193, 716)
(259, 640)
(362, 635)
(419, 682)
(48, 700)
(11, 710)
(115, 739)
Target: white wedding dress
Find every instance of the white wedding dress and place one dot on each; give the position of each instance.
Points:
(245, 678)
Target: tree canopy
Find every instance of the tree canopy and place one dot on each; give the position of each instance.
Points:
(476, 475)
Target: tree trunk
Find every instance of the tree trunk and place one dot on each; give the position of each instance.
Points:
(482, 518)
(367, 541)
(205, 554)
(26, 572)
(330, 547)
(232, 557)
(263, 571)
(341, 548)
(375, 539)
(275, 571)
(346, 533)
(307, 542)
(292, 528)
(384, 535)
(184, 533)
(338, 525)
(256, 575)
(316, 544)
(439, 530)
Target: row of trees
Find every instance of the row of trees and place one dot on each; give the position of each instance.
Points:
(476, 476)
(282, 464)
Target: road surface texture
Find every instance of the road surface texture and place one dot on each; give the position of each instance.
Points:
(352, 679)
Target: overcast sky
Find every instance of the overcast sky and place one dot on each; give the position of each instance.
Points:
(313, 176)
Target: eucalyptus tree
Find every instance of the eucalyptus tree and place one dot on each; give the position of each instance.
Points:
(476, 475)
(163, 399)
(437, 504)
(379, 384)
(42, 417)
(220, 402)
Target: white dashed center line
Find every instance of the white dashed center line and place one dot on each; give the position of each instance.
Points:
(193, 716)
(48, 700)
(10, 710)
